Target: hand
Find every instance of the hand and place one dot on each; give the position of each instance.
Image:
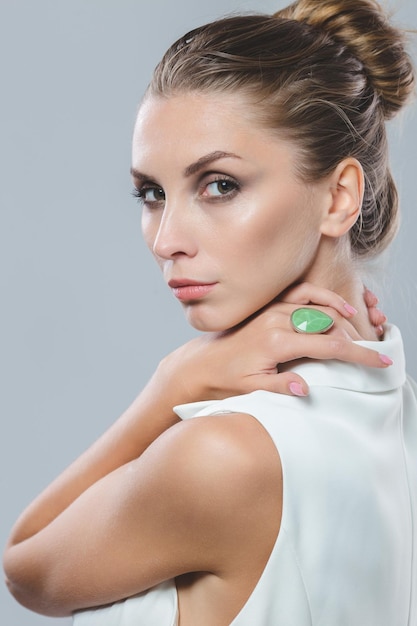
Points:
(247, 358)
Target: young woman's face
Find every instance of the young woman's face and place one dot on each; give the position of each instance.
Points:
(224, 214)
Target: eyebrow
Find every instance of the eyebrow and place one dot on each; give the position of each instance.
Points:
(139, 176)
(194, 167)
(206, 160)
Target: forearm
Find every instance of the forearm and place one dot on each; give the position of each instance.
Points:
(149, 415)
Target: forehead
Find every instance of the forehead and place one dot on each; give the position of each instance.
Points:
(181, 128)
(192, 114)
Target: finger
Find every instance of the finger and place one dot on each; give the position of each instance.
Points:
(306, 293)
(324, 347)
(334, 347)
(370, 298)
(286, 383)
(376, 317)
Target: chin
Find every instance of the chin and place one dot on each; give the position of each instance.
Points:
(207, 323)
(208, 327)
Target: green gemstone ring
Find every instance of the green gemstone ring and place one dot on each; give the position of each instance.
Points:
(310, 321)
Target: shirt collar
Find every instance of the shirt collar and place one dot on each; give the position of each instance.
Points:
(341, 375)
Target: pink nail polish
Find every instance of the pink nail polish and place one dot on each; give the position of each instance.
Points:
(350, 309)
(385, 359)
(297, 389)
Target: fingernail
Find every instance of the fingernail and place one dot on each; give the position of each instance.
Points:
(297, 389)
(350, 309)
(385, 359)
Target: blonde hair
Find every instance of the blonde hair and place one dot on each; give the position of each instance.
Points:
(326, 75)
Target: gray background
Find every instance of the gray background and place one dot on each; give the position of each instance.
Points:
(85, 316)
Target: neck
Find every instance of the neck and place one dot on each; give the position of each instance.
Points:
(334, 269)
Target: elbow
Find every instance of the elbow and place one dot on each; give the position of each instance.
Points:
(29, 585)
(22, 594)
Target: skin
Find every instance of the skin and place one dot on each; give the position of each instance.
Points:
(189, 495)
(278, 229)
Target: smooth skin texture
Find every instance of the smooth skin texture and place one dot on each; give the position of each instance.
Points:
(228, 209)
(156, 498)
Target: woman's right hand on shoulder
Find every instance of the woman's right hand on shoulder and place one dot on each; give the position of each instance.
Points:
(250, 356)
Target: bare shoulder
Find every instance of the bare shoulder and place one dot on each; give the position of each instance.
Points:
(232, 445)
(237, 483)
(226, 470)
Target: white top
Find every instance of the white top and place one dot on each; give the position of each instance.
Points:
(345, 554)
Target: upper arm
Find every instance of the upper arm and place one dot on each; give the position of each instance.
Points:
(188, 503)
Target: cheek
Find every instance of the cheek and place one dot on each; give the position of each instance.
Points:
(149, 229)
(265, 230)
(282, 238)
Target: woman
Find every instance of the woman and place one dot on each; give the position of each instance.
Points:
(260, 159)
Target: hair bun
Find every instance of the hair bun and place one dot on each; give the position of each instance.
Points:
(364, 28)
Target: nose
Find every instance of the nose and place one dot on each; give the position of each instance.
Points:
(175, 234)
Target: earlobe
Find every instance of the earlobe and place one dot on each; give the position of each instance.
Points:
(346, 189)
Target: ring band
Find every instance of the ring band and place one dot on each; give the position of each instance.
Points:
(311, 321)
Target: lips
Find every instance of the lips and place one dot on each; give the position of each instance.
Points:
(186, 289)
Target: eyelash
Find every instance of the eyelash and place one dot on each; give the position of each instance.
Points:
(221, 178)
(140, 193)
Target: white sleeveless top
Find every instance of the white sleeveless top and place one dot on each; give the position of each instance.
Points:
(346, 550)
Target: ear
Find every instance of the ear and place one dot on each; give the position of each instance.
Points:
(346, 186)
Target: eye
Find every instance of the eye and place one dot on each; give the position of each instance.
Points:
(221, 187)
(149, 194)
